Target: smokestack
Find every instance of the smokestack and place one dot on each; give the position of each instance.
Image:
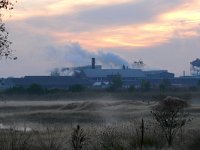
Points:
(93, 63)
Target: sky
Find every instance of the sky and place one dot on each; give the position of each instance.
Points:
(48, 34)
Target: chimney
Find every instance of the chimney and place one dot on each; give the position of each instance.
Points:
(93, 63)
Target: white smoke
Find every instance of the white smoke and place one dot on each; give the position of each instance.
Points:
(73, 55)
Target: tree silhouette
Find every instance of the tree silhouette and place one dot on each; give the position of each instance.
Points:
(145, 85)
(5, 50)
(116, 82)
(7, 4)
(170, 115)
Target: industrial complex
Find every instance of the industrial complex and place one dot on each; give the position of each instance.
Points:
(94, 76)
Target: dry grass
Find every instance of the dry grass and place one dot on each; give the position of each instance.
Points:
(96, 137)
(67, 112)
(108, 124)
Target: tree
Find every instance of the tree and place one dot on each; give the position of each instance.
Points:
(170, 116)
(131, 88)
(198, 84)
(116, 82)
(36, 89)
(16, 90)
(145, 85)
(7, 4)
(162, 87)
(5, 50)
(76, 88)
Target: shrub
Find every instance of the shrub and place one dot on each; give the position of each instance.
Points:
(12, 139)
(116, 82)
(78, 138)
(131, 88)
(76, 88)
(16, 90)
(110, 139)
(145, 85)
(36, 89)
(146, 136)
(194, 141)
(170, 116)
(50, 138)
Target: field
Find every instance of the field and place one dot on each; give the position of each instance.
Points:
(86, 111)
(94, 115)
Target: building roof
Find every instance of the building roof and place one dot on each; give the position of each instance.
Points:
(159, 74)
(155, 71)
(103, 73)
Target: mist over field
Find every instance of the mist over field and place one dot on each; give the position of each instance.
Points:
(87, 111)
(103, 121)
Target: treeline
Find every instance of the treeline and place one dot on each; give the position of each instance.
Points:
(36, 89)
(145, 86)
(116, 88)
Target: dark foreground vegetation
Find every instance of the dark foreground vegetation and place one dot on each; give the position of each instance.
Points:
(37, 92)
(167, 128)
(115, 137)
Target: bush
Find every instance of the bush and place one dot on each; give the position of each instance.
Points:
(165, 85)
(16, 90)
(78, 138)
(145, 86)
(36, 89)
(193, 88)
(51, 138)
(146, 136)
(170, 116)
(11, 139)
(116, 82)
(194, 141)
(110, 139)
(76, 88)
(131, 88)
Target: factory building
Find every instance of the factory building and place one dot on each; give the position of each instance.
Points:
(130, 77)
(94, 75)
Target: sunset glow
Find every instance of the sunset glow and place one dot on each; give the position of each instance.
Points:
(122, 25)
(159, 30)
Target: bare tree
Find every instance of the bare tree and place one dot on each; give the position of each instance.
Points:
(170, 116)
(5, 50)
(7, 4)
(4, 42)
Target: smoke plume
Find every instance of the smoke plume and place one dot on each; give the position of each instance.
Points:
(72, 55)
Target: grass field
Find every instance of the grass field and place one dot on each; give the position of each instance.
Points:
(108, 122)
(86, 111)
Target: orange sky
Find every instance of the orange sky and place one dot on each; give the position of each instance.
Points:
(130, 28)
(183, 19)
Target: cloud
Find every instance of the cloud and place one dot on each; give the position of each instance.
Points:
(102, 16)
(72, 54)
(138, 23)
(27, 8)
(133, 29)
